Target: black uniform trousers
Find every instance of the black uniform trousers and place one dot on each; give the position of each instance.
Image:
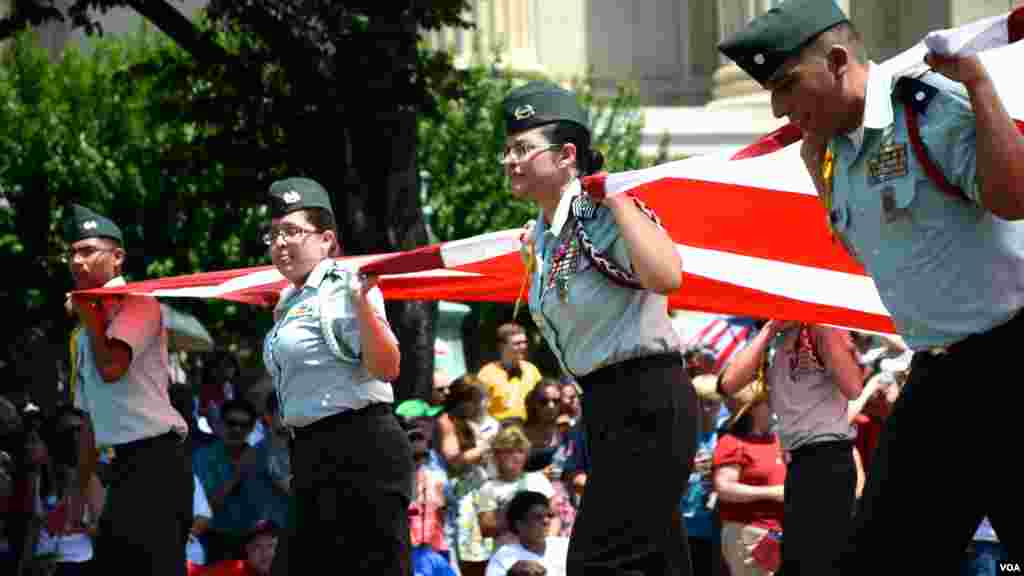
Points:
(353, 482)
(148, 512)
(945, 459)
(821, 480)
(640, 421)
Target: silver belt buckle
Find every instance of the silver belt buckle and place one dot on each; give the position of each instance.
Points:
(938, 351)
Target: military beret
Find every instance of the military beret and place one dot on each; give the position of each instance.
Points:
(771, 38)
(538, 103)
(293, 194)
(81, 223)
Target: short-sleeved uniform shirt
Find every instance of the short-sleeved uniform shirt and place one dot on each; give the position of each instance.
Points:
(597, 323)
(312, 382)
(137, 405)
(944, 268)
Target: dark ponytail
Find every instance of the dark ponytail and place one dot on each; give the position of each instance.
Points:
(588, 161)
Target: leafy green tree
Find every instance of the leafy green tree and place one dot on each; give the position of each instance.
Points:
(258, 90)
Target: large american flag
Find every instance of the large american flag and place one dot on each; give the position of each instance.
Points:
(751, 232)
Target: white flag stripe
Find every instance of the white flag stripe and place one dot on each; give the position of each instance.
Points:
(480, 248)
(970, 38)
(785, 166)
(804, 283)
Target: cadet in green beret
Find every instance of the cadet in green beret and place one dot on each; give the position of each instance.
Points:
(332, 357)
(120, 379)
(922, 178)
(600, 271)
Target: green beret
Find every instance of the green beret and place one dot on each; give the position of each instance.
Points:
(81, 223)
(538, 103)
(771, 38)
(293, 194)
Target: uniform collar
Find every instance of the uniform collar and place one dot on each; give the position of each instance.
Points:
(319, 272)
(564, 208)
(878, 113)
(115, 282)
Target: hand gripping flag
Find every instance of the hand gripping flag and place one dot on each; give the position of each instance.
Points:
(751, 232)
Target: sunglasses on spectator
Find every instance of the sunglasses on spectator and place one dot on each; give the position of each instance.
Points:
(238, 423)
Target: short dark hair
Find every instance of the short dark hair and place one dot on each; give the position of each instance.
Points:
(588, 161)
(238, 405)
(323, 220)
(519, 506)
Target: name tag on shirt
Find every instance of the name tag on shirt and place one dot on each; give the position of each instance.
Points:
(301, 311)
(889, 163)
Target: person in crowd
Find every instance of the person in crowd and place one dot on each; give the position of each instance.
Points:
(750, 479)
(510, 378)
(70, 519)
(570, 406)
(511, 448)
(600, 270)
(259, 547)
(543, 408)
(219, 384)
(332, 355)
(921, 178)
(811, 373)
(464, 435)
(698, 504)
(427, 512)
(235, 477)
(442, 384)
(121, 382)
(195, 550)
(534, 550)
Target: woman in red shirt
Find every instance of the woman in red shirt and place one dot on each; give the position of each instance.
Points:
(749, 474)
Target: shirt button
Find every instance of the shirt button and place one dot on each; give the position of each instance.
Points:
(919, 96)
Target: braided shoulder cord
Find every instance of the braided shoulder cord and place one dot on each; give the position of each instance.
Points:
(606, 265)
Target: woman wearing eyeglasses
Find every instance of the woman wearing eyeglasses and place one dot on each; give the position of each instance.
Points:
(600, 271)
(332, 354)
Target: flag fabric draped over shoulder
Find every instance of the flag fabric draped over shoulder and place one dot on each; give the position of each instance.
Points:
(749, 228)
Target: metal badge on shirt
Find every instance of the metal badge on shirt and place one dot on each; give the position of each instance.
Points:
(889, 163)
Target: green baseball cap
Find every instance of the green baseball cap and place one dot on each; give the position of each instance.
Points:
(81, 223)
(297, 193)
(538, 103)
(771, 38)
(417, 408)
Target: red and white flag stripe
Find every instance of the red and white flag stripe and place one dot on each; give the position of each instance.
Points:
(748, 226)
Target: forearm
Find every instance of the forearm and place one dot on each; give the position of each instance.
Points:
(651, 251)
(379, 347)
(841, 362)
(1000, 152)
(737, 493)
(743, 368)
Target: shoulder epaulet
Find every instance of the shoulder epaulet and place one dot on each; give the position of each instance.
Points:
(916, 93)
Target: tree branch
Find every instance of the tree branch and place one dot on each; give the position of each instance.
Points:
(172, 22)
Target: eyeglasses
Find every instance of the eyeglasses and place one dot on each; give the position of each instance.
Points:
(523, 151)
(288, 233)
(82, 253)
(237, 423)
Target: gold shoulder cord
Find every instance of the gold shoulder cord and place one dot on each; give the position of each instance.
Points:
(827, 175)
(530, 265)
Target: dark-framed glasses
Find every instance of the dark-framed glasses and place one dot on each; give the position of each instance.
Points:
(288, 233)
(82, 253)
(523, 151)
